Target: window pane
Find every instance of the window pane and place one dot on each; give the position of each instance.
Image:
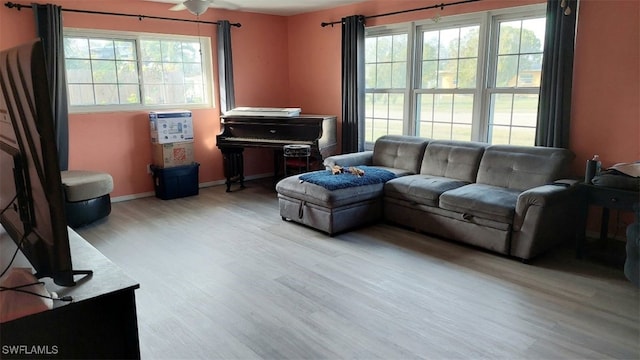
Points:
(463, 108)
(106, 94)
(425, 107)
(174, 94)
(173, 73)
(383, 76)
(370, 46)
(525, 110)
(129, 94)
(429, 74)
(449, 41)
(509, 41)
(152, 72)
(370, 76)
(430, 42)
(529, 71)
(461, 132)
(467, 70)
(523, 136)
(81, 94)
(102, 49)
(447, 74)
(150, 50)
(192, 72)
(443, 107)
(104, 71)
(154, 94)
(76, 48)
(127, 72)
(191, 52)
(400, 48)
(380, 105)
(125, 50)
(194, 93)
(533, 35)
(78, 71)
(507, 71)
(500, 112)
(499, 134)
(383, 53)
(441, 131)
(171, 50)
(469, 39)
(396, 107)
(399, 75)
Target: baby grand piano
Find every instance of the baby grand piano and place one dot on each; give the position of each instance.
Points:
(273, 132)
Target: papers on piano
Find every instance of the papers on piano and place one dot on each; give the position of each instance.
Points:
(263, 111)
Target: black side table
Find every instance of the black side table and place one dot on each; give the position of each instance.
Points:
(607, 198)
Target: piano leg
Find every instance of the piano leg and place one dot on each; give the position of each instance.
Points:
(233, 166)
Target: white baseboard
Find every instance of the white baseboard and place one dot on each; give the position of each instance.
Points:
(200, 185)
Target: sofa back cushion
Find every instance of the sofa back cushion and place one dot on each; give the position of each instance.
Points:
(453, 159)
(522, 167)
(400, 152)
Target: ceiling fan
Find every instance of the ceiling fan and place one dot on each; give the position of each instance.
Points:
(198, 7)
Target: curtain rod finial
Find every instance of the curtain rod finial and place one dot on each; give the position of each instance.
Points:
(11, 5)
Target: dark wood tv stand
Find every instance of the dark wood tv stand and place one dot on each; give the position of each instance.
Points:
(100, 322)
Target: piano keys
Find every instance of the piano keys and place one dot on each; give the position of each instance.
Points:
(239, 132)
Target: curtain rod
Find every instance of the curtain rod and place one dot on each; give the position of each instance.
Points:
(441, 6)
(19, 7)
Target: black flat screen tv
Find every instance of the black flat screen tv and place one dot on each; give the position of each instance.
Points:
(31, 193)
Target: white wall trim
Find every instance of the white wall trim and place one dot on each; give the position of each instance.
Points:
(200, 185)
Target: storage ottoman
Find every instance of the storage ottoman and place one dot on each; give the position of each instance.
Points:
(331, 211)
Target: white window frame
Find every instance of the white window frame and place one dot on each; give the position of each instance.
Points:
(207, 69)
(487, 55)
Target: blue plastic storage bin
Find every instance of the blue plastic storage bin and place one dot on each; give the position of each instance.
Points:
(175, 182)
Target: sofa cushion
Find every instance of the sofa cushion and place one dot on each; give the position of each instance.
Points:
(522, 167)
(420, 189)
(481, 200)
(293, 187)
(453, 159)
(80, 185)
(399, 152)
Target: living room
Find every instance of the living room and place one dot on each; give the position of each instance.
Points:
(303, 62)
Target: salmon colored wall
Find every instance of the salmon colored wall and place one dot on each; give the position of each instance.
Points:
(118, 142)
(606, 85)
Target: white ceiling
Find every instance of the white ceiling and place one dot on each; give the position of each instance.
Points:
(273, 7)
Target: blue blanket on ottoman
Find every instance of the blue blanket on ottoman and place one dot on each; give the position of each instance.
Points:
(344, 180)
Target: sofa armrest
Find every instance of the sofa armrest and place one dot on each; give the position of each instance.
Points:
(544, 216)
(557, 194)
(351, 159)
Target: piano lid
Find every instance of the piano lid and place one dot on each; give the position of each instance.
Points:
(263, 111)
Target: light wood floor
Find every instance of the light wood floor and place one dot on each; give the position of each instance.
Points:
(222, 276)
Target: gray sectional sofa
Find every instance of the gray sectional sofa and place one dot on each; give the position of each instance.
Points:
(508, 199)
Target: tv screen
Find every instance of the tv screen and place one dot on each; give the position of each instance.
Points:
(31, 193)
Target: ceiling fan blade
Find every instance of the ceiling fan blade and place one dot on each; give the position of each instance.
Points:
(178, 7)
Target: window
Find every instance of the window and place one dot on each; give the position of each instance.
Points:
(515, 85)
(107, 71)
(468, 77)
(386, 77)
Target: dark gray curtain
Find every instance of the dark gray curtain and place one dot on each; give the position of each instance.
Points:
(353, 83)
(225, 67)
(49, 29)
(554, 108)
